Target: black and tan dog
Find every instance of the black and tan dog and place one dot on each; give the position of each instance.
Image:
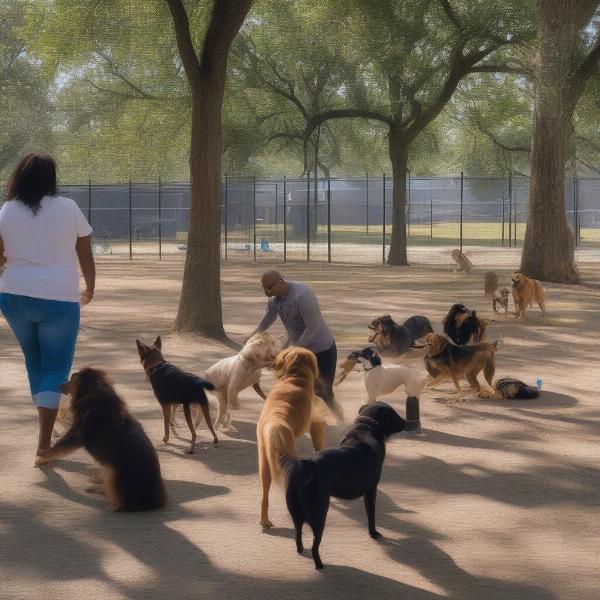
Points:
(458, 362)
(463, 326)
(103, 426)
(172, 386)
(352, 470)
(509, 388)
(392, 339)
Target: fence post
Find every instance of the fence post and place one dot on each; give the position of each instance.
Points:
(516, 214)
(307, 218)
(510, 214)
(226, 219)
(159, 222)
(431, 216)
(254, 212)
(284, 218)
(276, 211)
(503, 220)
(90, 202)
(328, 218)
(462, 179)
(576, 208)
(383, 219)
(367, 177)
(408, 206)
(130, 224)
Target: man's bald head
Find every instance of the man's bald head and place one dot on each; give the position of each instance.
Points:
(273, 284)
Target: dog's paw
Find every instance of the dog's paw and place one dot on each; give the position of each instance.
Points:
(375, 535)
(265, 523)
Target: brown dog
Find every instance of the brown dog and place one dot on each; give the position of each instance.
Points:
(458, 362)
(105, 428)
(524, 292)
(290, 410)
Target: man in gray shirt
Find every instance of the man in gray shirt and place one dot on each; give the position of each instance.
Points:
(298, 308)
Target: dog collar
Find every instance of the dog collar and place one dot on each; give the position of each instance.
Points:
(150, 371)
(367, 419)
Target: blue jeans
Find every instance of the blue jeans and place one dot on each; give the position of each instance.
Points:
(47, 332)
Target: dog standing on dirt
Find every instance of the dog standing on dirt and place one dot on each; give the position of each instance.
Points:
(500, 298)
(104, 427)
(172, 386)
(384, 379)
(349, 471)
(458, 362)
(290, 410)
(392, 340)
(524, 292)
(463, 326)
(464, 264)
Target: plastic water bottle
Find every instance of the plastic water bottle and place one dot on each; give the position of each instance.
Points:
(538, 382)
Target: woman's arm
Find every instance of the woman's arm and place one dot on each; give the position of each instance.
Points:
(83, 247)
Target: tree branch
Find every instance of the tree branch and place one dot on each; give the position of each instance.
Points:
(450, 14)
(585, 70)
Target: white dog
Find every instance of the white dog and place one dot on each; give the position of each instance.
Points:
(235, 373)
(383, 379)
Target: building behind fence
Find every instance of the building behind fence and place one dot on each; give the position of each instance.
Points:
(338, 220)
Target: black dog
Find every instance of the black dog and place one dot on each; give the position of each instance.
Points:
(172, 386)
(463, 326)
(350, 471)
(393, 340)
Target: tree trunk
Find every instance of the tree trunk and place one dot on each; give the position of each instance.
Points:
(398, 150)
(200, 302)
(548, 250)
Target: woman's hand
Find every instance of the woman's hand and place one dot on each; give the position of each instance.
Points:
(86, 297)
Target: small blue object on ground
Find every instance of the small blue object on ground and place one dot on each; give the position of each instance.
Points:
(538, 382)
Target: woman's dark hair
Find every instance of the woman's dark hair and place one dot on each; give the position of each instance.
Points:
(33, 178)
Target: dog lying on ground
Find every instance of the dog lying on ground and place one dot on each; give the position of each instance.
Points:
(384, 379)
(458, 362)
(350, 471)
(290, 410)
(103, 426)
(463, 326)
(235, 373)
(173, 386)
(500, 298)
(393, 340)
(464, 264)
(513, 389)
(524, 292)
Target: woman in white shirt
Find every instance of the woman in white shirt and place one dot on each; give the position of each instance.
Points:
(42, 236)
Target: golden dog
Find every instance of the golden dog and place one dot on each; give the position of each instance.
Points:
(524, 292)
(290, 410)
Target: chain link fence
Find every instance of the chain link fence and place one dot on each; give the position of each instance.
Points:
(334, 220)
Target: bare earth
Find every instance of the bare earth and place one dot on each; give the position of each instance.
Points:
(493, 501)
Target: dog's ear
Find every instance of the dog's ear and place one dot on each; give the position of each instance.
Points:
(158, 343)
(142, 348)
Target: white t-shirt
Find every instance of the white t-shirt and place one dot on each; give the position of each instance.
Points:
(41, 261)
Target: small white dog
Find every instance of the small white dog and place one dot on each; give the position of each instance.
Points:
(383, 379)
(235, 373)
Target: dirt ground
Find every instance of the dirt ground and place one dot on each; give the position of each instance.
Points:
(493, 501)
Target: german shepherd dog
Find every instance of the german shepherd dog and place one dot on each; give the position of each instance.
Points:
(350, 471)
(172, 386)
(105, 428)
(456, 362)
(392, 340)
(513, 389)
(463, 326)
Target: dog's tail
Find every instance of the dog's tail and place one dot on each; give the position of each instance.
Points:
(298, 472)
(280, 442)
(207, 385)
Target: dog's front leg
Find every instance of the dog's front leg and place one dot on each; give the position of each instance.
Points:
(67, 444)
(317, 435)
(166, 408)
(370, 498)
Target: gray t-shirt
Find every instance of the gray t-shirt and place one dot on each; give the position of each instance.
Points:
(301, 316)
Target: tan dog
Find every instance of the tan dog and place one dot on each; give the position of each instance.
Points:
(524, 292)
(290, 410)
(462, 261)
